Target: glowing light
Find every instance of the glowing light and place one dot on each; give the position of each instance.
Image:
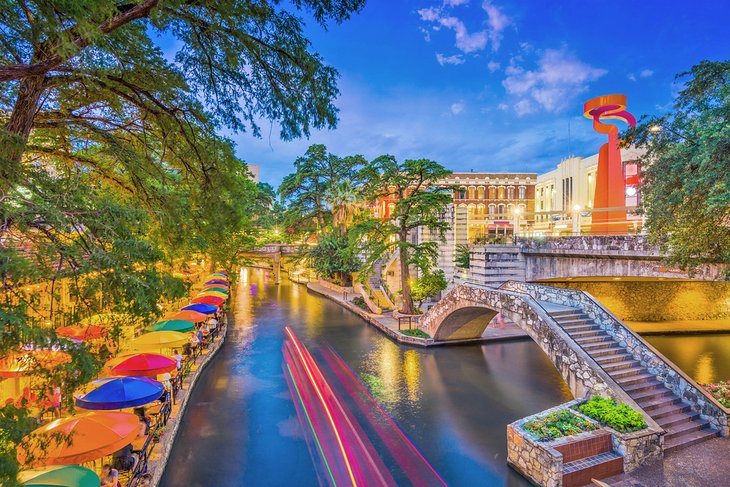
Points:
(630, 191)
(655, 129)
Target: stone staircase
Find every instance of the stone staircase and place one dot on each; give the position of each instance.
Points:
(683, 426)
(591, 457)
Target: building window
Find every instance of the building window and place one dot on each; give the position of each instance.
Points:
(510, 193)
(480, 192)
(471, 192)
(480, 210)
(522, 192)
(491, 192)
(500, 210)
(567, 193)
(491, 210)
(461, 194)
(500, 192)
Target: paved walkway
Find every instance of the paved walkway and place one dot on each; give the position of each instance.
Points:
(702, 465)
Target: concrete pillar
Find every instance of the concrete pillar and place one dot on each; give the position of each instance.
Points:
(277, 267)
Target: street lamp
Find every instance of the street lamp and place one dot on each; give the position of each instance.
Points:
(576, 220)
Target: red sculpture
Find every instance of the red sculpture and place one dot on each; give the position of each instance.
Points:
(609, 203)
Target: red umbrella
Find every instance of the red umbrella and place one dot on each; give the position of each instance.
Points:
(214, 300)
(144, 364)
(80, 332)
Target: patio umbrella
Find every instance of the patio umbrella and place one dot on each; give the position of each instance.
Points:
(146, 364)
(121, 393)
(222, 277)
(216, 281)
(93, 435)
(214, 300)
(59, 476)
(173, 325)
(189, 315)
(216, 289)
(81, 332)
(17, 365)
(207, 309)
(213, 293)
(159, 339)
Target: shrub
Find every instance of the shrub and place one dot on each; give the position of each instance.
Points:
(617, 416)
(720, 391)
(416, 333)
(360, 302)
(557, 424)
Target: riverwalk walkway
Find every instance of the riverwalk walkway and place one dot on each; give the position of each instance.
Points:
(680, 327)
(389, 325)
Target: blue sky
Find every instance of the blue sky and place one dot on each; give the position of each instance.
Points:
(493, 85)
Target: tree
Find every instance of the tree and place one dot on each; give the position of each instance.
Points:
(323, 191)
(333, 257)
(463, 257)
(419, 203)
(429, 284)
(686, 169)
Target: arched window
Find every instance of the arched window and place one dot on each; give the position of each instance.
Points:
(471, 192)
(500, 210)
(480, 210)
(491, 192)
(491, 210)
(510, 193)
(500, 192)
(522, 192)
(480, 192)
(510, 209)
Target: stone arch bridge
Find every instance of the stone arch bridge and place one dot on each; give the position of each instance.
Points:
(593, 350)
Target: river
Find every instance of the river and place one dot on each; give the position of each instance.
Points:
(454, 403)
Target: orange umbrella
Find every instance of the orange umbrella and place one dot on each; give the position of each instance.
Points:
(189, 315)
(144, 364)
(80, 332)
(78, 439)
(16, 365)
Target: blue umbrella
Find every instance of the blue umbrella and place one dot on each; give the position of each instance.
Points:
(121, 393)
(207, 309)
(216, 281)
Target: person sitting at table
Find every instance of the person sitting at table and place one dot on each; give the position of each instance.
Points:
(213, 323)
(199, 333)
(109, 476)
(178, 358)
(194, 341)
(124, 459)
(205, 329)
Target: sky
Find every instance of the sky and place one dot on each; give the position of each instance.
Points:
(495, 85)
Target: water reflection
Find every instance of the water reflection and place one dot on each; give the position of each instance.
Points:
(453, 402)
(705, 358)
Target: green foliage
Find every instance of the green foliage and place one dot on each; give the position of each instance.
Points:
(720, 391)
(462, 257)
(332, 257)
(415, 332)
(618, 416)
(428, 285)
(686, 169)
(419, 201)
(557, 424)
(359, 301)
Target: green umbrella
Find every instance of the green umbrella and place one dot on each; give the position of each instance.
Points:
(217, 289)
(59, 476)
(173, 325)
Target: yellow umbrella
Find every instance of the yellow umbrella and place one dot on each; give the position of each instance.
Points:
(213, 293)
(158, 340)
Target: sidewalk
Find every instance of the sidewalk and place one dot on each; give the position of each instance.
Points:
(387, 324)
(680, 327)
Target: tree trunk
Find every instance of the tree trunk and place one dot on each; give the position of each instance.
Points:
(21, 119)
(405, 276)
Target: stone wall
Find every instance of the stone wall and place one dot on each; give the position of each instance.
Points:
(679, 382)
(537, 461)
(336, 288)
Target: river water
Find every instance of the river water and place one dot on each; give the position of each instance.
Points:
(454, 403)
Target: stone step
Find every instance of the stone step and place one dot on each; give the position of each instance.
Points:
(562, 312)
(624, 364)
(643, 386)
(670, 410)
(689, 439)
(676, 418)
(638, 396)
(601, 352)
(611, 359)
(571, 318)
(576, 328)
(686, 427)
(651, 404)
(630, 372)
(589, 333)
(601, 466)
(632, 379)
(593, 339)
(600, 344)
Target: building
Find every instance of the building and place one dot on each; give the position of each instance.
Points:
(564, 196)
(255, 171)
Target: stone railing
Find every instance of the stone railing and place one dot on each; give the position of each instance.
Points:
(665, 371)
(604, 245)
(359, 288)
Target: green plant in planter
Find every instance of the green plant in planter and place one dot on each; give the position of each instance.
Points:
(558, 424)
(415, 332)
(617, 416)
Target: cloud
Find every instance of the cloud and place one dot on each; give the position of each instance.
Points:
(455, 59)
(468, 42)
(493, 66)
(557, 80)
(631, 76)
(457, 108)
(497, 23)
(646, 73)
(503, 106)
